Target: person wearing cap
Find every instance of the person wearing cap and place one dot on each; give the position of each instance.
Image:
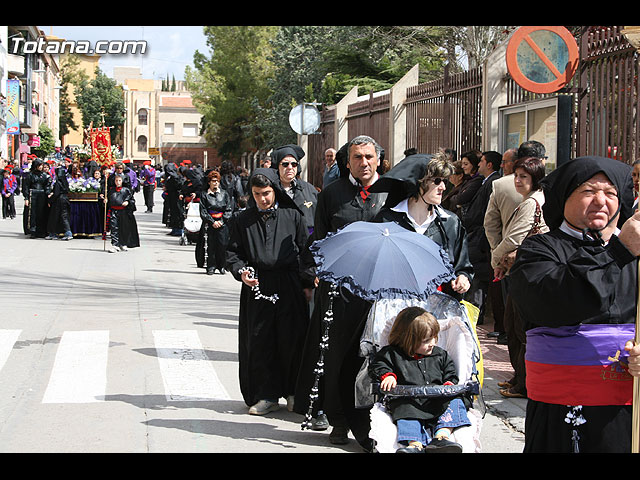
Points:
(148, 179)
(576, 290)
(9, 185)
(286, 160)
(267, 238)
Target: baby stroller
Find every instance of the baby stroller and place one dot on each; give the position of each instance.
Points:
(457, 336)
(192, 224)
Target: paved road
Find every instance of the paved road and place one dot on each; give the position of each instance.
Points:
(137, 352)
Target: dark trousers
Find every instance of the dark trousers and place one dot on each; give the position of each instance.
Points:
(147, 191)
(8, 206)
(517, 345)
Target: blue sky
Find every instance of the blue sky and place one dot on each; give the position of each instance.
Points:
(169, 48)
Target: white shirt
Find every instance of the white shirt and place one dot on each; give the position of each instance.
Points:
(403, 207)
(575, 233)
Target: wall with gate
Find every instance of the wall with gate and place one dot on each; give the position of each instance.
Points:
(461, 111)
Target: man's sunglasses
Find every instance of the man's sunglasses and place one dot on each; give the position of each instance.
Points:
(286, 164)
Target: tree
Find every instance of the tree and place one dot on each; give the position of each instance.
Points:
(71, 77)
(323, 63)
(47, 142)
(228, 86)
(98, 96)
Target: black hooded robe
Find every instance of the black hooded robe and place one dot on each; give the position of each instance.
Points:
(304, 195)
(173, 184)
(559, 280)
(124, 228)
(214, 249)
(270, 335)
(36, 190)
(60, 205)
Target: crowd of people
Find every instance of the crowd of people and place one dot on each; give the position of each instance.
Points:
(549, 256)
(528, 247)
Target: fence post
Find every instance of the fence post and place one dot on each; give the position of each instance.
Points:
(398, 115)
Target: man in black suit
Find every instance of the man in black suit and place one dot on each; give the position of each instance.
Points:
(473, 221)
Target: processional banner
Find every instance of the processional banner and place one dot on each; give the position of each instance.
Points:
(101, 145)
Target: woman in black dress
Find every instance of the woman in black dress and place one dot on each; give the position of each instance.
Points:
(215, 210)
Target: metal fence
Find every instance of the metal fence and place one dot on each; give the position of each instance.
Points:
(605, 94)
(446, 113)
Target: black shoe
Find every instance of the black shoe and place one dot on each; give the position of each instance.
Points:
(493, 334)
(320, 422)
(211, 271)
(338, 436)
(502, 339)
(440, 445)
(222, 271)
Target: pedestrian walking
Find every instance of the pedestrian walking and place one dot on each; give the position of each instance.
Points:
(264, 254)
(344, 201)
(148, 180)
(213, 237)
(9, 186)
(124, 229)
(286, 160)
(60, 207)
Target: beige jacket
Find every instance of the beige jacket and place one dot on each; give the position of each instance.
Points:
(519, 225)
(503, 201)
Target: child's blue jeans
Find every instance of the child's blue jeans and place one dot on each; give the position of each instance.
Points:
(412, 430)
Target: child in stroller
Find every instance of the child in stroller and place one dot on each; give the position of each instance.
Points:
(457, 337)
(413, 358)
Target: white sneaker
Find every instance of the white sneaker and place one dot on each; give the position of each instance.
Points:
(113, 250)
(263, 407)
(123, 248)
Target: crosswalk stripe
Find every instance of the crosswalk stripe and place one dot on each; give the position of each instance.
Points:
(79, 372)
(187, 372)
(8, 339)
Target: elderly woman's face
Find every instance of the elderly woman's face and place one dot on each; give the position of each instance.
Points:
(592, 204)
(288, 168)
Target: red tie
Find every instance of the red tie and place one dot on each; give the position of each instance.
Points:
(364, 193)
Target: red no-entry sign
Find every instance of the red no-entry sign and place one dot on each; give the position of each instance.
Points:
(542, 59)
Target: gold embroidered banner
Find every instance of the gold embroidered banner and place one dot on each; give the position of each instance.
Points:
(101, 145)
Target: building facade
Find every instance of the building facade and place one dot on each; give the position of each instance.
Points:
(161, 126)
(30, 91)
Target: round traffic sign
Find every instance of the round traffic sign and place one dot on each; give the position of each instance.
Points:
(542, 59)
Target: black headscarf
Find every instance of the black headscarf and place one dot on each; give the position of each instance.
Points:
(282, 198)
(62, 182)
(279, 153)
(402, 181)
(35, 164)
(560, 183)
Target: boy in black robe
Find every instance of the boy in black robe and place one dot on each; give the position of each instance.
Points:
(268, 237)
(569, 284)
